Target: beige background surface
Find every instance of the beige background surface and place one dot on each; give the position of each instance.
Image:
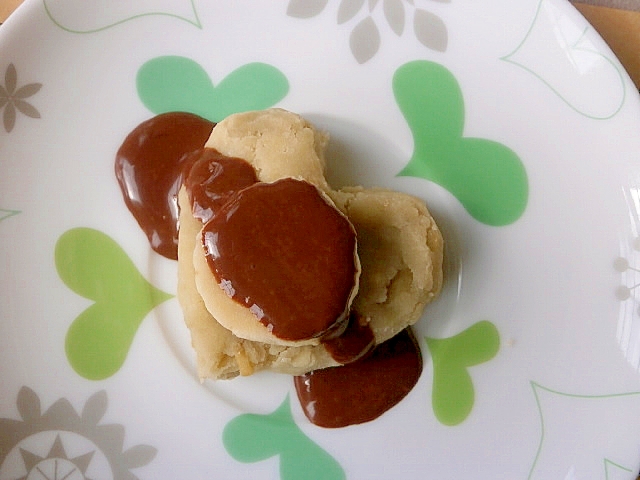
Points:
(620, 29)
(620, 4)
(6, 7)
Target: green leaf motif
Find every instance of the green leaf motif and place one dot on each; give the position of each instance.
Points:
(79, 16)
(4, 213)
(609, 414)
(252, 438)
(453, 393)
(173, 83)
(578, 88)
(486, 177)
(611, 467)
(94, 266)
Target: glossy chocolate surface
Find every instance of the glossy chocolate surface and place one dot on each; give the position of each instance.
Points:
(213, 178)
(285, 253)
(363, 390)
(149, 167)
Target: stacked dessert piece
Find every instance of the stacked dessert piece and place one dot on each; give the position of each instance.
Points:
(277, 270)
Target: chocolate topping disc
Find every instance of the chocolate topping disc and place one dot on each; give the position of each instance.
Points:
(287, 254)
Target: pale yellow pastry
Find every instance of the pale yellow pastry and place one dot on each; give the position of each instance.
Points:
(399, 247)
(219, 353)
(276, 142)
(401, 252)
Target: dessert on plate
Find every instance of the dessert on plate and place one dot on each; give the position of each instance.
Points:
(394, 271)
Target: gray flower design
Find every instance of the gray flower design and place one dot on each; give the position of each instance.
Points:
(12, 98)
(364, 40)
(60, 430)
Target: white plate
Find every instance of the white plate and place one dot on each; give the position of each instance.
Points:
(548, 298)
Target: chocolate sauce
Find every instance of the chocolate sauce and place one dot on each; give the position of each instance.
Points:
(363, 390)
(353, 343)
(148, 168)
(212, 180)
(285, 253)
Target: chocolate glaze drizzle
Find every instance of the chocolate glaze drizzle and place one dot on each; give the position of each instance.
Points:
(355, 341)
(213, 178)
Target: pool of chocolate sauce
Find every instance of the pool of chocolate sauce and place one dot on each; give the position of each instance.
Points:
(363, 390)
(148, 168)
(151, 165)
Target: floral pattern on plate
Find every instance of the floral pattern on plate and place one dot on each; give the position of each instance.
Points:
(13, 99)
(37, 444)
